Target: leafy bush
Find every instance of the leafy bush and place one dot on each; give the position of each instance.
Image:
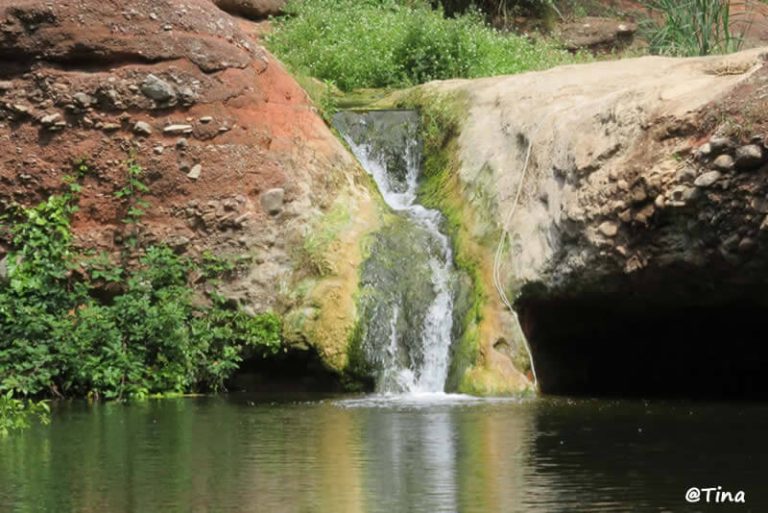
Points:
(16, 414)
(390, 43)
(693, 27)
(57, 338)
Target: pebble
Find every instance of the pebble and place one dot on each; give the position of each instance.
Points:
(272, 200)
(707, 179)
(177, 129)
(142, 128)
(206, 119)
(158, 89)
(719, 144)
(194, 173)
(50, 119)
(609, 228)
(723, 163)
(83, 99)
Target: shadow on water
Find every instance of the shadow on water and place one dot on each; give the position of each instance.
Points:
(252, 454)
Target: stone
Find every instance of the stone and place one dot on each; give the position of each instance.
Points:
(723, 163)
(6, 85)
(206, 119)
(748, 157)
(707, 179)
(704, 151)
(253, 9)
(720, 144)
(157, 89)
(110, 127)
(84, 100)
(177, 129)
(609, 229)
(142, 128)
(187, 96)
(194, 173)
(50, 119)
(182, 143)
(272, 201)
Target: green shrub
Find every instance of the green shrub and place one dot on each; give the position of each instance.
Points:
(17, 414)
(58, 338)
(693, 27)
(389, 43)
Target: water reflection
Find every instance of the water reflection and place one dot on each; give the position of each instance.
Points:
(234, 455)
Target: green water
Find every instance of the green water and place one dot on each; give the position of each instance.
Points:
(243, 454)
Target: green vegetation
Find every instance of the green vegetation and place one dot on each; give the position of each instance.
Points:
(16, 414)
(693, 27)
(389, 43)
(77, 325)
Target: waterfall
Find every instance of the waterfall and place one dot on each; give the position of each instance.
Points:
(410, 277)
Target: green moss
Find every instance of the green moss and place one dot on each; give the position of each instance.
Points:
(318, 241)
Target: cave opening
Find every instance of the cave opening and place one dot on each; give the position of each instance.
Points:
(665, 339)
(290, 373)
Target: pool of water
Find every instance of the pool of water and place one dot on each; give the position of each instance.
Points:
(433, 453)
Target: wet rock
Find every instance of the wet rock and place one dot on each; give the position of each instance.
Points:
(707, 179)
(609, 229)
(723, 163)
(142, 128)
(272, 201)
(195, 172)
(157, 89)
(748, 157)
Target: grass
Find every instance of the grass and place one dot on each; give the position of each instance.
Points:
(389, 43)
(693, 27)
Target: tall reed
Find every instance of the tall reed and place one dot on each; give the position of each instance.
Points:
(695, 27)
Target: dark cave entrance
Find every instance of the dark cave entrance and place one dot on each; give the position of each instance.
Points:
(293, 372)
(666, 338)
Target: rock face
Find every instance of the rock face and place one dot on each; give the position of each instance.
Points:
(253, 9)
(214, 120)
(637, 245)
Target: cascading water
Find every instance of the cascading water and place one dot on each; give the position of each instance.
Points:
(409, 280)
